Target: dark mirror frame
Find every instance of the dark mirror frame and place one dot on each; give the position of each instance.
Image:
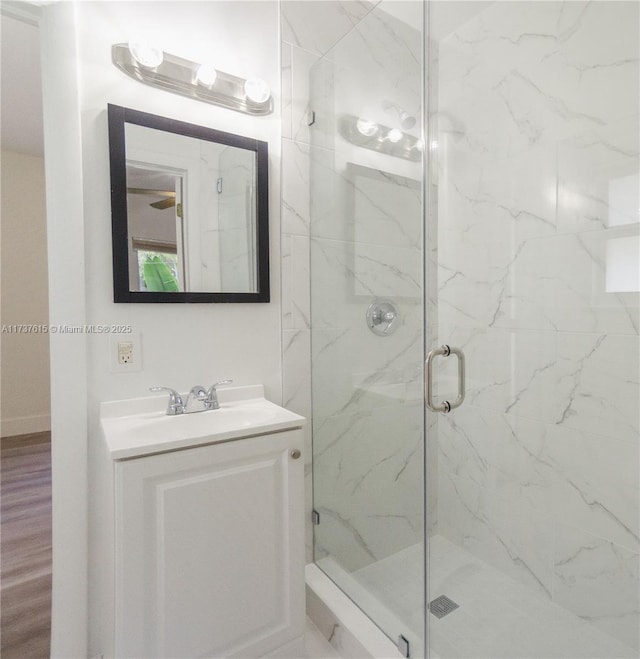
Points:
(117, 118)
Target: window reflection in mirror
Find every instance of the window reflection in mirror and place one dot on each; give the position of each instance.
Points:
(155, 222)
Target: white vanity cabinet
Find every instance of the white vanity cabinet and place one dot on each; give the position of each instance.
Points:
(209, 549)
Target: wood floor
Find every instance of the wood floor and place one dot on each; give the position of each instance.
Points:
(25, 546)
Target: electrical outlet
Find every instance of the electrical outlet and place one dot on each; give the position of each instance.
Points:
(125, 353)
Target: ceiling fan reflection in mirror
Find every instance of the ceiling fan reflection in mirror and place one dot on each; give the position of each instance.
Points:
(168, 201)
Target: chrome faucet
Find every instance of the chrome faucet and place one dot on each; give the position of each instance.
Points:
(176, 406)
(199, 399)
(212, 395)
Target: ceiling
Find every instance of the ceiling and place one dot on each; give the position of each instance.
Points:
(20, 83)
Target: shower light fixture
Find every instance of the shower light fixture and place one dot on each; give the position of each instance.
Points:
(370, 135)
(201, 81)
(367, 127)
(407, 121)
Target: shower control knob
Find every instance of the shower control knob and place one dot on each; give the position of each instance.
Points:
(382, 317)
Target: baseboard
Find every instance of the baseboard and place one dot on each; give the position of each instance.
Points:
(25, 425)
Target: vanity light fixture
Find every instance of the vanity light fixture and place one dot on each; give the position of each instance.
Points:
(200, 81)
(257, 90)
(206, 75)
(145, 54)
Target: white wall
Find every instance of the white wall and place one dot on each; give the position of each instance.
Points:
(24, 405)
(182, 345)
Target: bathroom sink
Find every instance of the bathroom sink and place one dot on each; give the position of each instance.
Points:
(141, 426)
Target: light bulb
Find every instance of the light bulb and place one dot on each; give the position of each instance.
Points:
(407, 122)
(146, 55)
(394, 135)
(257, 90)
(367, 127)
(206, 75)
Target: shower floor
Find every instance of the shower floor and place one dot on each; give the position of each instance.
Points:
(498, 617)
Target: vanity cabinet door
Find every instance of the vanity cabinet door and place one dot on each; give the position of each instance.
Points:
(210, 550)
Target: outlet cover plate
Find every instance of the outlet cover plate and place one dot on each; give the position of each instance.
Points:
(134, 338)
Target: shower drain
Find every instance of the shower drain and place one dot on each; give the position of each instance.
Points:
(441, 606)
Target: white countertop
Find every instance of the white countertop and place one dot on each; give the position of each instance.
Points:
(140, 426)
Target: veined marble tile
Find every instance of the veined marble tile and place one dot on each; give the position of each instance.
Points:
(471, 280)
(295, 188)
(318, 25)
(286, 88)
(357, 9)
(499, 452)
(505, 533)
(560, 283)
(509, 371)
(296, 305)
(387, 48)
(296, 372)
(349, 276)
(368, 470)
(598, 384)
(594, 483)
(600, 582)
(322, 101)
(598, 178)
(355, 371)
(301, 63)
(548, 64)
(594, 67)
(495, 201)
(356, 203)
(387, 271)
(576, 478)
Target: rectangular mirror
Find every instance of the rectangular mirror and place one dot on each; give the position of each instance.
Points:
(189, 209)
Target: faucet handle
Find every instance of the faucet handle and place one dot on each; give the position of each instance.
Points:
(212, 388)
(212, 394)
(176, 406)
(221, 382)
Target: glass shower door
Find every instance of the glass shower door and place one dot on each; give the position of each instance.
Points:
(534, 273)
(367, 293)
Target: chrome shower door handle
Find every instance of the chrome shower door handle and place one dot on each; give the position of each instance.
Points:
(446, 406)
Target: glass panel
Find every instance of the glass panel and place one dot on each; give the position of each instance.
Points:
(367, 247)
(533, 235)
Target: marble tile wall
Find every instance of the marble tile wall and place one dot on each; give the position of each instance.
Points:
(366, 243)
(538, 133)
(360, 223)
(308, 31)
